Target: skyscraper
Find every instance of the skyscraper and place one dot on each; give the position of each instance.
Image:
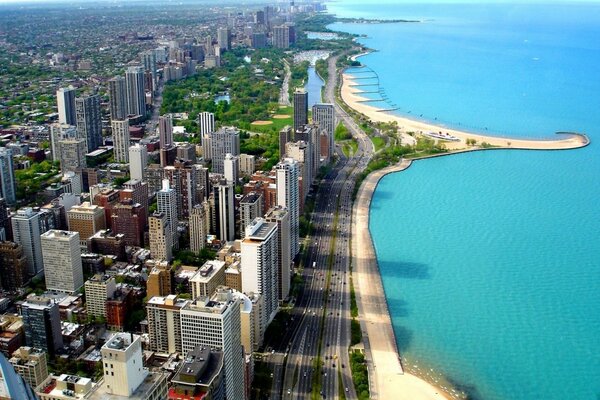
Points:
(281, 37)
(72, 154)
(198, 227)
(166, 202)
(206, 125)
(324, 116)
(225, 140)
(138, 161)
(41, 320)
(89, 122)
(86, 219)
(224, 210)
(26, 232)
(182, 179)
(231, 166)
(117, 93)
(120, 132)
(260, 259)
(287, 196)
(300, 108)
(8, 189)
(13, 266)
(62, 261)
(281, 217)
(136, 95)
(215, 323)
(60, 132)
(97, 289)
(149, 61)
(251, 207)
(224, 38)
(164, 323)
(161, 237)
(165, 131)
(65, 99)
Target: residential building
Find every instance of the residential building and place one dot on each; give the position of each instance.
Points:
(201, 376)
(302, 153)
(120, 132)
(72, 154)
(60, 132)
(164, 323)
(324, 116)
(107, 242)
(281, 217)
(161, 237)
(207, 278)
(224, 38)
(129, 219)
(65, 100)
(223, 194)
(166, 202)
(86, 219)
(159, 278)
(27, 229)
(182, 179)
(281, 37)
(199, 226)
(138, 161)
(136, 95)
(65, 387)
(62, 261)
(41, 320)
(231, 166)
(136, 191)
(117, 93)
(98, 289)
(288, 197)
(8, 188)
(286, 134)
(247, 164)
(13, 266)
(89, 120)
(300, 108)
(31, 364)
(165, 131)
(224, 141)
(251, 207)
(310, 134)
(12, 385)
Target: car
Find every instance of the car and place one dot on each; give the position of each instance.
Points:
(346, 390)
(289, 391)
(343, 366)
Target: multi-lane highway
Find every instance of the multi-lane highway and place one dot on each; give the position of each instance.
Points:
(312, 356)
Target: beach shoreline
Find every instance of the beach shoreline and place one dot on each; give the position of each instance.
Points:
(351, 96)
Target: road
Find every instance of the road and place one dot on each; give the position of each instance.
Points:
(284, 94)
(320, 326)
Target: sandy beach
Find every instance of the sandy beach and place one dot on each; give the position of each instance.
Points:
(351, 96)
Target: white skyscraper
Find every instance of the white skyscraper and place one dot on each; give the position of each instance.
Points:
(120, 131)
(231, 166)
(224, 141)
(166, 202)
(215, 323)
(288, 197)
(62, 260)
(281, 217)
(138, 161)
(136, 96)
(206, 122)
(26, 232)
(260, 251)
(224, 210)
(65, 99)
(8, 189)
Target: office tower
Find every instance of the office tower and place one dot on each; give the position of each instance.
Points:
(164, 323)
(60, 132)
(12, 385)
(117, 93)
(198, 228)
(225, 140)
(65, 100)
(165, 131)
(288, 197)
(138, 161)
(223, 193)
(281, 37)
(324, 116)
(161, 237)
(281, 217)
(124, 374)
(206, 125)
(201, 376)
(224, 38)
(136, 191)
(300, 108)
(120, 132)
(182, 179)
(166, 201)
(215, 323)
(31, 364)
(136, 95)
(72, 154)
(98, 289)
(251, 207)
(231, 166)
(41, 320)
(13, 266)
(8, 189)
(208, 278)
(86, 219)
(26, 232)
(89, 122)
(149, 61)
(62, 261)
(129, 218)
(260, 259)
(247, 164)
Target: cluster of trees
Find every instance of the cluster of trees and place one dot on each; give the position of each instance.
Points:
(342, 133)
(360, 375)
(32, 180)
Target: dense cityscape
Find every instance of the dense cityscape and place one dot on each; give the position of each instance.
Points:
(174, 214)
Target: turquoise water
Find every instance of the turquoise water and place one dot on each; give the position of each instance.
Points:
(490, 260)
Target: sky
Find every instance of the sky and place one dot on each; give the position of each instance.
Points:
(274, 1)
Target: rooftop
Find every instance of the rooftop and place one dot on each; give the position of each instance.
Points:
(199, 367)
(208, 270)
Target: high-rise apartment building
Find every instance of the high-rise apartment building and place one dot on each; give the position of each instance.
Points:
(231, 166)
(136, 191)
(13, 266)
(324, 116)
(138, 161)
(281, 37)
(164, 323)
(199, 226)
(165, 131)
(62, 260)
(224, 193)
(89, 120)
(31, 364)
(161, 237)
(98, 289)
(224, 38)
(72, 154)
(281, 217)
(301, 151)
(120, 132)
(260, 258)
(60, 132)
(41, 320)
(136, 95)
(117, 93)
(310, 133)
(208, 278)
(129, 219)
(8, 189)
(288, 197)
(182, 179)
(215, 322)
(160, 282)
(149, 61)
(251, 207)
(206, 126)
(65, 100)
(166, 202)
(300, 108)
(26, 229)
(86, 219)
(247, 164)
(223, 141)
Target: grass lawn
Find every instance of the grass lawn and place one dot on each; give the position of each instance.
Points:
(378, 142)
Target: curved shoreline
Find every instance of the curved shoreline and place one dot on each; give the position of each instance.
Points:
(351, 96)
